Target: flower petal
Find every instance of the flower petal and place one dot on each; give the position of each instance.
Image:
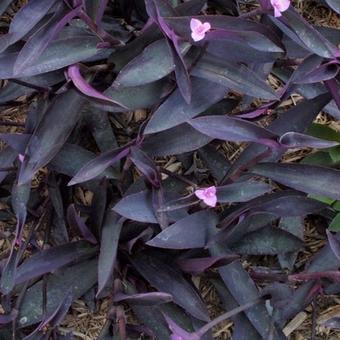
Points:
(212, 189)
(211, 201)
(284, 5)
(200, 193)
(206, 26)
(197, 36)
(277, 12)
(195, 24)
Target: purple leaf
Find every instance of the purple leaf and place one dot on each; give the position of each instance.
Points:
(144, 299)
(84, 87)
(267, 241)
(108, 248)
(175, 110)
(146, 166)
(195, 266)
(180, 139)
(51, 133)
(25, 19)
(154, 63)
(232, 129)
(334, 4)
(39, 41)
(334, 322)
(190, 232)
(321, 181)
(300, 140)
(76, 221)
(305, 34)
(167, 279)
(48, 260)
(239, 78)
(56, 317)
(242, 191)
(99, 164)
(334, 243)
(78, 278)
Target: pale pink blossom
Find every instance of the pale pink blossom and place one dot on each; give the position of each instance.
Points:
(21, 157)
(199, 29)
(207, 195)
(280, 6)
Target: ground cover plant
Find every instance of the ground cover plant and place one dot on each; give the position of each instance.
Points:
(116, 183)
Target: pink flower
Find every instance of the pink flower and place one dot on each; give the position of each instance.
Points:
(279, 6)
(21, 157)
(207, 195)
(198, 29)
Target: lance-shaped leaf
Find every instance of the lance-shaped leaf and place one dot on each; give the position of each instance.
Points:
(190, 232)
(241, 191)
(300, 140)
(154, 63)
(137, 97)
(334, 4)
(167, 279)
(108, 248)
(196, 266)
(26, 18)
(55, 317)
(153, 9)
(232, 129)
(267, 241)
(48, 260)
(84, 87)
(144, 299)
(78, 278)
(307, 35)
(175, 110)
(297, 119)
(74, 220)
(334, 243)
(146, 166)
(51, 133)
(180, 139)
(79, 47)
(243, 329)
(243, 290)
(98, 165)
(139, 207)
(72, 157)
(39, 41)
(307, 178)
(321, 73)
(239, 78)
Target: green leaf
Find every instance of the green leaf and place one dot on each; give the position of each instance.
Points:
(335, 224)
(324, 132)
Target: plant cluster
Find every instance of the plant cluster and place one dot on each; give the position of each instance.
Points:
(119, 184)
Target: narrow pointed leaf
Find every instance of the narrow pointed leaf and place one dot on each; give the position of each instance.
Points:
(231, 129)
(144, 299)
(98, 165)
(242, 192)
(180, 139)
(175, 110)
(51, 133)
(108, 248)
(236, 77)
(49, 260)
(299, 140)
(320, 181)
(167, 279)
(78, 278)
(190, 232)
(268, 241)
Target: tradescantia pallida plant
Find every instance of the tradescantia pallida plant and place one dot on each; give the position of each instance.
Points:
(118, 183)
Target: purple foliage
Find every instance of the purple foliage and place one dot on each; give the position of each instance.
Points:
(126, 129)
